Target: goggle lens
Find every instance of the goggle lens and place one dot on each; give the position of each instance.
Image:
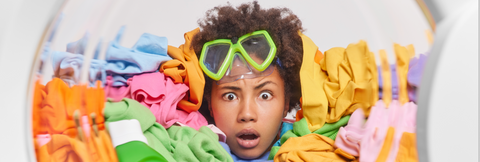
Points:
(257, 48)
(215, 56)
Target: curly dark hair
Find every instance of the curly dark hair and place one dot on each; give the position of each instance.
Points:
(226, 22)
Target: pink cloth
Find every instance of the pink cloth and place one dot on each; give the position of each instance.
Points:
(404, 120)
(116, 93)
(349, 137)
(86, 125)
(161, 95)
(43, 139)
(366, 139)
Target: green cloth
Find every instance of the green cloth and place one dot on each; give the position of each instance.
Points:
(300, 128)
(175, 144)
(139, 152)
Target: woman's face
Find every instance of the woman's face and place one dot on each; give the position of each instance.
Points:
(249, 112)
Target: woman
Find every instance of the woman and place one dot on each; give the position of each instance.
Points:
(251, 58)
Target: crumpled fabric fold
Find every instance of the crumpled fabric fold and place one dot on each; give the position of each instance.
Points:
(146, 55)
(379, 138)
(68, 65)
(161, 95)
(175, 144)
(352, 80)
(54, 108)
(300, 129)
(184, 68)
(311, 147)
(314, 102)
(337, 83)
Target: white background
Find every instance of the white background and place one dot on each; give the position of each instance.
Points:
(329, 23)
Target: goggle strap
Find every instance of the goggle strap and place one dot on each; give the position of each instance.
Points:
(280, 63)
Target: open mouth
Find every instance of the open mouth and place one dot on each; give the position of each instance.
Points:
(248, 138)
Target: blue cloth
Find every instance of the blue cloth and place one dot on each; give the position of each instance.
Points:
(67, 66)
(237, 159)
(285, 127)
(97, 72)
(97, 68)
(145, 56)
(78, 47)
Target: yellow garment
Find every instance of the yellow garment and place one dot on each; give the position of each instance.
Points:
(407, 150)
(344, 80)
(184, 68)
(314, 101)
(403, 55)
(386, 78)
(352, 80)
(311, 147)
(387, 145)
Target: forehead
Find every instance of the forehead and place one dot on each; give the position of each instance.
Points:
(274, 78)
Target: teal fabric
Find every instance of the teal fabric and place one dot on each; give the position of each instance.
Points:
(175, 144)
(300, 128)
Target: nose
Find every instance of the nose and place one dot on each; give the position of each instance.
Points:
(248, 111)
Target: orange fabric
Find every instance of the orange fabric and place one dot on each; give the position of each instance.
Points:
(38, 97)
(387, 145)
(311, 147)
(386, 78)
(100, 147)
(318, 57)
(63, 148)
(341, 152)
(403, 56)
(299, 114)
(54, 107)
(184, 68)
(56, 113)
(94, 103)
(407, 150)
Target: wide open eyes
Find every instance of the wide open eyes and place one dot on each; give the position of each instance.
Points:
(229, 96)
(265, 96)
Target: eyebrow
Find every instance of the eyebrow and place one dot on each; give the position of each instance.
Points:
(263, 84)
(231, 88)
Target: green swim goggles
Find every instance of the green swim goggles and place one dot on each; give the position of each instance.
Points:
(249, 56)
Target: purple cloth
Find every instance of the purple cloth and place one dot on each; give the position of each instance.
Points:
(415, 72)
(393, 70)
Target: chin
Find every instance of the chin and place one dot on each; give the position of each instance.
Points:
(249, 153)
